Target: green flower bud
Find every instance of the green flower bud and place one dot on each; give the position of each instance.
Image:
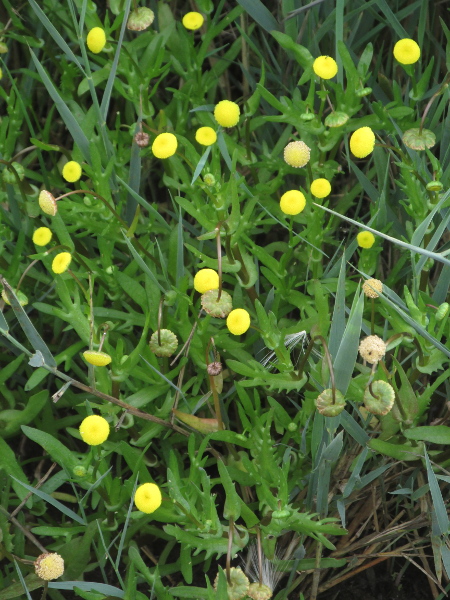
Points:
(325, 405)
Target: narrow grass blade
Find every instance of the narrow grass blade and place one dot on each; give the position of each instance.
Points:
(67, 511)
(95, 484)
(28, 328)
(258, 11)
(410, 247)
(69, 120)
(22, 580)
(88, 586)
(134, 181)
(201, 163)
(142, 264)
(112, 75)
(180, 250)
(223, 149)
(338, 322)
(353, 429)
(125, 526)
(55, 34)
(438, 501)
(145, 204)
(392, 19)
(344, 362)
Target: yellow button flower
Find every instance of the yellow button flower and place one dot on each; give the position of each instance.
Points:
(148, 497)
(292, 202)
(96, 40)
(227, 113)
(365, 239)
(193, 20)
(71, 171)
(164, 145)
(297, 154)
(205, 280)
(42, 236)
(325, 67)
(94, 430)
(206, 136)
(1, 73)
(238, 321)
(407, 51)
(362, 142)
(94, 357)
(320, 188)
(61, 262)
(47, 203)
(49, 565)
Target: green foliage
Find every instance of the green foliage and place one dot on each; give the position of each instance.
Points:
(227, 426)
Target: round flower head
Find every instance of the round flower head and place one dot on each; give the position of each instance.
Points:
(49, 565)
(94, 430)
(325, 67)
(292, 202)
(193, 20)
(238, 586)
(238, 321)
(96, 40)
(96, 358)
(205, 280)
(320, 188)
(297, 154)
(381, 400)
(372, 349)
(140, 18)
(42, 236)
(148, 497)
(227, 113)
(61, 262)
(215, 308)
(418, 139)
(168, 345)
(142, 139)
(23, 300)
(372, 288)
(329, 406)
(164, 145)
(365, 239)
(362, 142)
(206, 136)
(71, 171)
(259, 591)
(407, 51)
(47, 203)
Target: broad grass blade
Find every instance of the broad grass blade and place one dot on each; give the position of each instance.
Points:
(344, 362)
(338, 322)
(438, 501)
(260, 13)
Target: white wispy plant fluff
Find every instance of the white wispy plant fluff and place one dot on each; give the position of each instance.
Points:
(291, 340)
(270, 575)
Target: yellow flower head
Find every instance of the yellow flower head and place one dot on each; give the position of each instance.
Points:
(407, 51)
(227, 113)
(71, 171)
(49, 565)
(47, 203)
(94, 430)
(148, 497)
(372, 288)
(94, 357)
(297, 154)
(325, 67)
(238, 321)
(205, 280)
(365, 239)
(1, 73)
(96, 40)
(206, 136)
(362, 142)
(164, 145)
(320, 188)
(292, 202)
(61, 262)
(42, 236)
(193, 20)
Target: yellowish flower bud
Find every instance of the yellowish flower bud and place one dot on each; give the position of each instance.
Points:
(49, 565)
(238, 321)
(148, 498)
(320, 188)
(47, 203)
(206, 136)
(94, 430)
(297, 154)
(205, 280)
(292, 202)
(72, 171)
(42, 236)
(96, 358)
(61, 262)
(227, 113)
(407, 51)
(365, 239)
(372, 288)
(362, 142)
(325, 67)
(193, 20)
(164, 145)
(96, 40)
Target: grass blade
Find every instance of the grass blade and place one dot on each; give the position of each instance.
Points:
(438, 501)
(261, 14)
(338, 321)
(344, 362)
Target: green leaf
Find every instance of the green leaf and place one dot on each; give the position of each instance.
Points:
(59, 453)
(258, 11)
(407, 397)
(436, 434)
(11, 466)
(398, 451)
(436, 495)
(344, 362)
(232, 506)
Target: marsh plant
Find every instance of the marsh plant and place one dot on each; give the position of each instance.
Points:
(224, 321)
